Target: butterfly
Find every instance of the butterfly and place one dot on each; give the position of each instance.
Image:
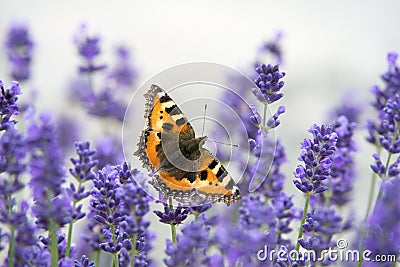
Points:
(180, 166)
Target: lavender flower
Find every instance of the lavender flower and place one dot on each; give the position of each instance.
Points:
(84, 164)
(84, 262)
(89, 49)
(8, 106)
(384, 227)
(272, 48)
(19, 47)
(108, 151)
(317, 157)
(106, 208)
(118, 205)
(191, 247)
(343, 169)
(174, 217)
(387, 103)
(123, 72)
(69, 131)
(104, 104)
(255, 212)
(13, 153)
(47, 163)
(268, 83)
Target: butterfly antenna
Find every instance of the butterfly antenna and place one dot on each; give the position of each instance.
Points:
(204, 119)
(218, 142)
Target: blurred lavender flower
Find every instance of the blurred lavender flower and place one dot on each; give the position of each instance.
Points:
(108, 151)
(8, 106)
(272, 48)
(48, 174)
(89, 49)
(47, 162)
(348, 108)
(285, 213)
(192, 245)
(343, 171)
(123, 72)
(384, 227)
(317, 157)
(19, 46)
(69, 131)
(255, 212)
(104, 104)
(268, 83)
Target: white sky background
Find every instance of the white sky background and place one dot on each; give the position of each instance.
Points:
(329, 47)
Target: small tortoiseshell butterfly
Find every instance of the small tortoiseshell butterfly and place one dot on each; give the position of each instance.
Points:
(168, 148)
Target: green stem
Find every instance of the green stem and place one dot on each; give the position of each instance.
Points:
(371, 194)
(133, 251)
(53, 243)
(11, 251)
(303, 220)
(173, 227)
(69, 240)
(97, 258)
(263, 128)
(115, 255)
(70, 228)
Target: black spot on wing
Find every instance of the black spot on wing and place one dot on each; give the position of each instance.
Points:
(191, 176)
(181, 121)
(167, 126)
(203, 175)
(159, 135)
(213, 164)
(173, 110)
(221, 173)
(165, 98)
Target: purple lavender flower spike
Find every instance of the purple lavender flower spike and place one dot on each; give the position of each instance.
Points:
(319, 228)
(343, 171)
(108, 151)
(118, 206)
(317, 157)
(191, 246)
(176, 216)
(255, 212)
(269, 84)
(273, 48)
(69, 131)
(8, 105)
(384, 226)
(84, 163)
(123, 72)
(89, 49)
(19, 47)
(84, 262)
(13, 151)
(104, 104)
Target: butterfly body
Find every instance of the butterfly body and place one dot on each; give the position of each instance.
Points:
(168, 148)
